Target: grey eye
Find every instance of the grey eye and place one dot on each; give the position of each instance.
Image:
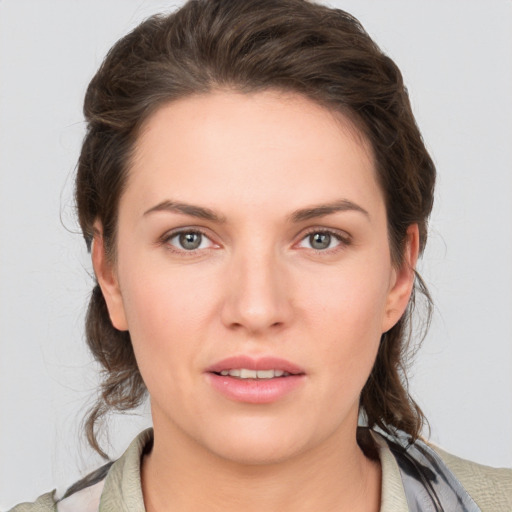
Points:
(190, 240)
(320, 241)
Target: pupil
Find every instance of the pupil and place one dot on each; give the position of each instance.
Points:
(190, 241)
(320, 240)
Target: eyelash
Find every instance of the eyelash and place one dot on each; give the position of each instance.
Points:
(343, 240)
(165, 240)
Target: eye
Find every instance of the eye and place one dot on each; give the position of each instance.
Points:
(189, 240)
(321, 240)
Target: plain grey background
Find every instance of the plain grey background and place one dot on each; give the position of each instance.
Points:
(456, 60)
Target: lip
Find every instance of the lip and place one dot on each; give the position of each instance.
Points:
(255, 391)
(255, 363)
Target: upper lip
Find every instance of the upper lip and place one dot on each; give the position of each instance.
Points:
(255, 363)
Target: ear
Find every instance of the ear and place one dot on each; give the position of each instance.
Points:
(402, 280)
(107, 279)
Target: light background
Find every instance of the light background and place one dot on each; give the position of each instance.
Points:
(456, 60)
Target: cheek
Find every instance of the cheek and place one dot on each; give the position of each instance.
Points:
(353, 298)
(167, 310)
(158, 318)
(346, 309)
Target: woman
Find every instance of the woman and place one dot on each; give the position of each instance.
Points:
(255, 193)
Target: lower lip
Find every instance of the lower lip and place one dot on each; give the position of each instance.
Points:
(255, 391)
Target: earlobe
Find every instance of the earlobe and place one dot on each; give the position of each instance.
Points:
(105, 273)
(403, 281)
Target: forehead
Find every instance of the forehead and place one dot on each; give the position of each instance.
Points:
(253, 146)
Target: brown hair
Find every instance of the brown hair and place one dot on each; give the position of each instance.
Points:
(251, 45)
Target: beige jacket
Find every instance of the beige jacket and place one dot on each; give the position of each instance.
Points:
(121, 491)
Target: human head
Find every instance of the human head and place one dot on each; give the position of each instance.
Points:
(251, 46)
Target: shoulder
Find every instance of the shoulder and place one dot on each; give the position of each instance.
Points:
(423, 474)
(490, 488)
(84, 496)
(45, 503)
(115, 482)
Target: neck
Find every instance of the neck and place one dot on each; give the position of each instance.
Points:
(180, 476)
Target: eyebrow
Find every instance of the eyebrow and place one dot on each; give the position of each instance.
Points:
(303, 214)
(342, 205)
(187, 209)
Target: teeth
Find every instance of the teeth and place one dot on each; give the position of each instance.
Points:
(248, 374)
(244, 373)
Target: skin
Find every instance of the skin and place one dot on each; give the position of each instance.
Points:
(255, 286)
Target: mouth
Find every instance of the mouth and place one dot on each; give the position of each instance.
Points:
(245, 373)
(255, 380)
(247, 367)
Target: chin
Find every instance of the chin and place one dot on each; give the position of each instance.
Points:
(256, 443)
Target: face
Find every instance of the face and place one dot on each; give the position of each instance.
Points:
(253, 273)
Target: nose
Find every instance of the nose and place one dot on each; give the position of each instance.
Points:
(258, 297)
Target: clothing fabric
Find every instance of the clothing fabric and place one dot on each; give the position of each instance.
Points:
(117, 486)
